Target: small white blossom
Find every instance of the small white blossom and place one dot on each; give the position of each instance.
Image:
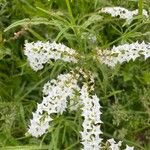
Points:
(40, 53)
(124, 53)
(114, 145)
(122, 13)
(129, 148)
(91, 37)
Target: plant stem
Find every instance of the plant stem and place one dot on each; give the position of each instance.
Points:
(140, 5)
(73, 21)
(70, 11)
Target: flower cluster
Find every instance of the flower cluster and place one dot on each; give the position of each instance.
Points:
(122, 13)
(124, 53)
(56, 92)
(91, 125)
(113, 145)
(89, 36)
(39, 53)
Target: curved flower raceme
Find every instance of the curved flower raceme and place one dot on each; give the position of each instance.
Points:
(91, 125)
(123, 53)
(122, 13)
(40, 53)
(56, 92)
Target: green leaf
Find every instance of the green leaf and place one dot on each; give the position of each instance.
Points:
(25, 22)
(92, 19)
(1, 36)
(4, 51)
(146, 77)
(28, 147)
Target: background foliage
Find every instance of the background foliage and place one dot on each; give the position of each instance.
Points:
(124, 92)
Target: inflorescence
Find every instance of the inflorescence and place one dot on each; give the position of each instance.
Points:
(113, 145)
(122, 13)
(123, 53)
(40, 53)
(55, 95)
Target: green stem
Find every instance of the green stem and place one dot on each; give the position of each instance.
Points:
(70, 11)
(73, 22)
(140, 5)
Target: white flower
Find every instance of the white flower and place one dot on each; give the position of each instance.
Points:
(40, 53)
(145, 50)
(111, 141)
(129, 148)
(114, 145)
(91, 37)
(122, 13)
(124, 53)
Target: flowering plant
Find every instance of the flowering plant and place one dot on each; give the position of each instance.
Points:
(75, 90)
(57, 92)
